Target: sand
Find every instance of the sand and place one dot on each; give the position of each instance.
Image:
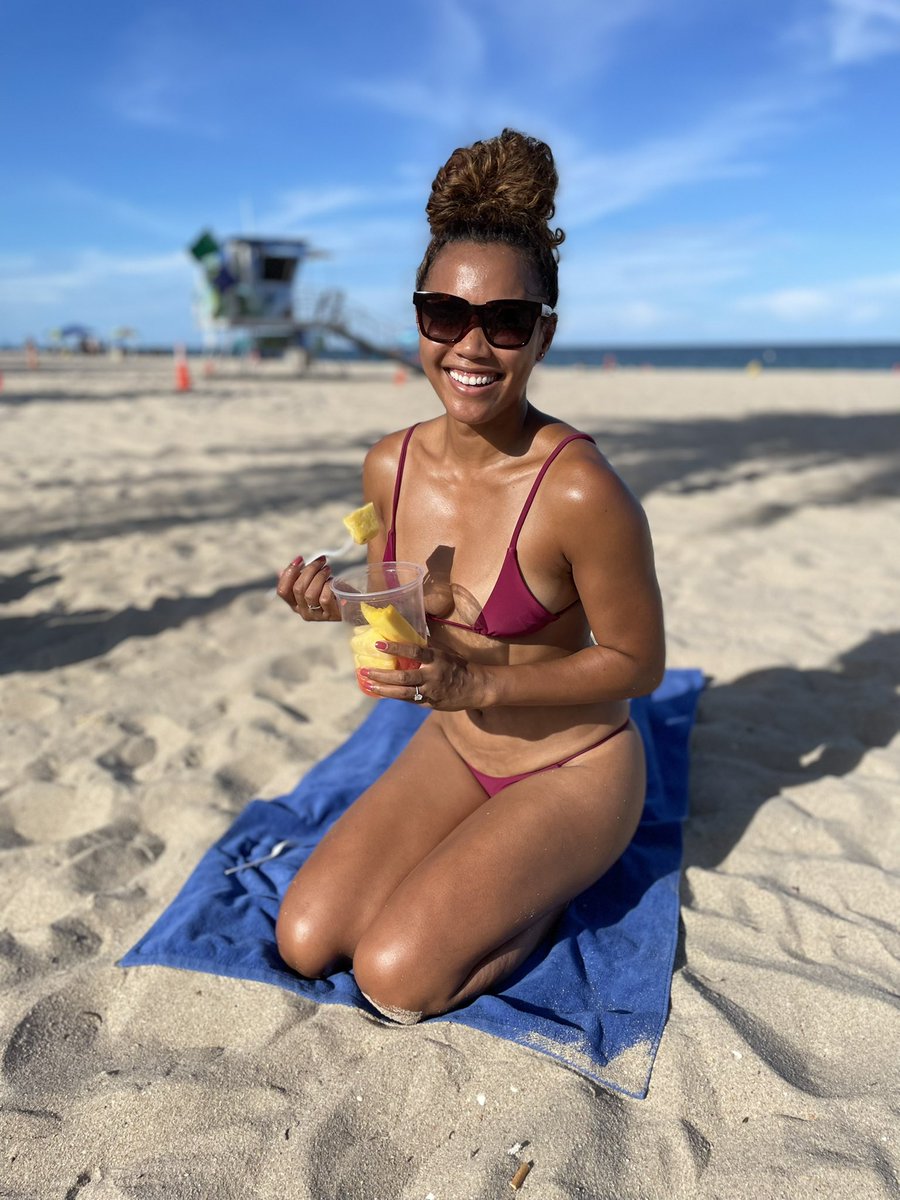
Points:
(151, 686)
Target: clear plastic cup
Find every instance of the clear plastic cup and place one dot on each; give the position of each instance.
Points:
(382, 602)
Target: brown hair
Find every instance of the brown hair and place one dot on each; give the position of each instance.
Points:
(498, 190)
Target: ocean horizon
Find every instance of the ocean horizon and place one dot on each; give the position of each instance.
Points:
(821, 356)
(824, 356)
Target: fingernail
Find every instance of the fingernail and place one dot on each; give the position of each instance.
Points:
(297, 561)
(381, 645)
(364, 671)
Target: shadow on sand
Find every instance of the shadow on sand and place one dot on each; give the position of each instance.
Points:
(785, 727)
(186, 500)
(50, 640)
(707, 454)
(782, 727)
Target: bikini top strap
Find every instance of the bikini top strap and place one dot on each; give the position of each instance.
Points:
(573, 437)
(399, 476)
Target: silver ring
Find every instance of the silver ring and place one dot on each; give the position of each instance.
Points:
(418, 696)
(314, 607)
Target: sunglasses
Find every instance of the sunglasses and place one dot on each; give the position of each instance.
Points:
(506, 324)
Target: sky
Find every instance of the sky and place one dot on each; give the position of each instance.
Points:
(729, 169)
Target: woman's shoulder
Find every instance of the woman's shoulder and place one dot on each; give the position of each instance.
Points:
(571, 451)
(582, 477)
(388, 447)
(386, 452)
(382, 461)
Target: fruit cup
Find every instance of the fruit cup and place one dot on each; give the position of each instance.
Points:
(382, 602)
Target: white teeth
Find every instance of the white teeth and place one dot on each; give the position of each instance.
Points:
(472, 380)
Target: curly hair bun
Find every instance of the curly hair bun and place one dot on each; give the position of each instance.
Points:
(498, 184)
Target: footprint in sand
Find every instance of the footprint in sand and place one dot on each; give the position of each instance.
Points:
(52, 1045)
(135, 750)
(72, 941)
(10, 838)
(17, 962)
(112, 855)
(296, 668)
(341, 1160)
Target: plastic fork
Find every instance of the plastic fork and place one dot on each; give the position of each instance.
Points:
(277, 849)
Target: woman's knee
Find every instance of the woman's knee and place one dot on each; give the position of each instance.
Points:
(391, 975)
(306, 942)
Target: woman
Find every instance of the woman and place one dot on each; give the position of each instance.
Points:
(526, 781)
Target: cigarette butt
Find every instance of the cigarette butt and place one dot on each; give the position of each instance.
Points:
(519, 1178)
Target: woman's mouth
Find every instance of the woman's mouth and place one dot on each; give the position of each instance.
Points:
(473, 379)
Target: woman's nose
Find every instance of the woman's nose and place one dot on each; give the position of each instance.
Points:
(473, 343)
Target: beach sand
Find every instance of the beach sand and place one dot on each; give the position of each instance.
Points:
(151, 686)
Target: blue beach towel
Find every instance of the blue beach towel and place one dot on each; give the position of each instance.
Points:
(594, 996)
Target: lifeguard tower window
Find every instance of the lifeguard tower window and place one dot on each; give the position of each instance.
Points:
(280, 269)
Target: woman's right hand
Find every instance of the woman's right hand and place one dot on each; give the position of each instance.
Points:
(306, 589)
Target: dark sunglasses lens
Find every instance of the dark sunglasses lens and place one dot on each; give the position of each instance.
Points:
(510, 323)
(443, 320)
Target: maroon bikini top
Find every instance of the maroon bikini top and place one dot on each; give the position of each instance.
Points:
(511, 610)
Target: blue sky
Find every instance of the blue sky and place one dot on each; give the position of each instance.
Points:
(729, 168)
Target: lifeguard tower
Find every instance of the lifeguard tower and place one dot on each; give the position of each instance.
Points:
(249, 285)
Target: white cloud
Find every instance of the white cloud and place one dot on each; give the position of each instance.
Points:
(159, 77)
(123, 212)
(844, 33)
(859, 30)
(866, 300)
(656, 284)
(572, 38)
(38, 285)
(305, 206)
(724, 146)
(458, 86)
(664, 262)
(441, 92)
(790, 304)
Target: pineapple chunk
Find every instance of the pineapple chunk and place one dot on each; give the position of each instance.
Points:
(362, 647)
(364, 639)
(390, 624)
(362, 524)
(379, 660)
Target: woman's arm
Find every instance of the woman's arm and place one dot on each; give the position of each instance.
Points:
(605, 539)
(379, 472)
(306, 587)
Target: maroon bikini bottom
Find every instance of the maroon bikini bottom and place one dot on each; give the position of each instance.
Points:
(493, 784)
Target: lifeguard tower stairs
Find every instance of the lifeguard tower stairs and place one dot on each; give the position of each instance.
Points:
(248, 285)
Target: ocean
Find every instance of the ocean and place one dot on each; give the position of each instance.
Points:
(821, 356)
(815, 357)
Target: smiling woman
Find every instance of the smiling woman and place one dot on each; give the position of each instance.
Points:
(526, 782)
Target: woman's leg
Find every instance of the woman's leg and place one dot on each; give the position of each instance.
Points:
(360, 861)
(472, 910)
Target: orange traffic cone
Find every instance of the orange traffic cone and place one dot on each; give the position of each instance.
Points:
(182, 376)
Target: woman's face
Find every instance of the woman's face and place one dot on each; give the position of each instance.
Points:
(474, 380)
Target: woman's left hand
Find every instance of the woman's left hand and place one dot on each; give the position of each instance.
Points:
(441, 679)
